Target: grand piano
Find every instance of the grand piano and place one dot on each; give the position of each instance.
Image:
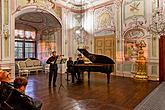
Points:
(99, 63)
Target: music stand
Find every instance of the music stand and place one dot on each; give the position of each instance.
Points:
(62, 61)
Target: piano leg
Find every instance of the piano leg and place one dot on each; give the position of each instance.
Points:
(73, 75)
(88, 76)
(108, 77)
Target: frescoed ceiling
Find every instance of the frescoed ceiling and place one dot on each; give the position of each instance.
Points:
(40, 21)
(81, 4)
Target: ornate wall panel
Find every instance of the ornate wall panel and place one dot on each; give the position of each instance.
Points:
(104, 23)
(134, 8)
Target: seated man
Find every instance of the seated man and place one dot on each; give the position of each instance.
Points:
(79, 61)
(13, 97)
(20, 84)
(18, 100)
(5, 76)
(69, 67)
(6, 88)
(78, 70)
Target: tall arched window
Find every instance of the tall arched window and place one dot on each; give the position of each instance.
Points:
(25, 44)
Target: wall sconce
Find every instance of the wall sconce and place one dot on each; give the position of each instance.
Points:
(118, 41)
(6, 35)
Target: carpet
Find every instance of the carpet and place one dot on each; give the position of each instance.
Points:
(155, 100)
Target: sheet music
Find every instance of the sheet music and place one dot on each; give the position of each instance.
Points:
(61, 61)
(58, 61)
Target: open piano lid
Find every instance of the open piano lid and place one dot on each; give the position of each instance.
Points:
(96, 58)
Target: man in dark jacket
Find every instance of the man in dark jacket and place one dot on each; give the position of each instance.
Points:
(12, 95)
(53, 68)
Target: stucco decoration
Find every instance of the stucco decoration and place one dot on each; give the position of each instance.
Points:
(80, 35)
(6, 31)
(131, 37)
(154, 5)
(104, 20)
(46, 4)
(134, 8)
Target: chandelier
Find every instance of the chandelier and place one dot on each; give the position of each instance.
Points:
(158, 23)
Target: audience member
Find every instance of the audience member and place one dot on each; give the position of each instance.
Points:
(20, 84)
(6, 88)
(18, 100)
(12, 95)
(5, 76)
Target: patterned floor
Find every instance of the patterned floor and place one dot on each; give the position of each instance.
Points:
(155, 100)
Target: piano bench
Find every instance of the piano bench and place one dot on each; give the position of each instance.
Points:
(68, 73)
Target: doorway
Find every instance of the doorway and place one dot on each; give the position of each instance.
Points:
(105, 45)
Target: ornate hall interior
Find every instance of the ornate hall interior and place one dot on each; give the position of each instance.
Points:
(129, 33)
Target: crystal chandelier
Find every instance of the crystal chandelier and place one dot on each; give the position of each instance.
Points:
(158, 23)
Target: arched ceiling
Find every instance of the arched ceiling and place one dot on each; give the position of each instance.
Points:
(40, 21)
(80, 2)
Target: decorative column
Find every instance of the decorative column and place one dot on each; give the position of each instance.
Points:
(141, 62)
(5, 35)
(6, 60)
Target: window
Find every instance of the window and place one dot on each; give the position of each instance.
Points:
(29, 50)
(18, 50)
(25, 45)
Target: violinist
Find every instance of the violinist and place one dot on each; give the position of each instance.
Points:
(53, 68)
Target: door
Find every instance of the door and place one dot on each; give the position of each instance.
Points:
(99, 45)
(105, 45)
(162, 59)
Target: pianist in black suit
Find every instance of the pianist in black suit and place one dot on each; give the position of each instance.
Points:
(69, 65)
(78, 71)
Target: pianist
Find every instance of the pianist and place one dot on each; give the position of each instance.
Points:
(99, 63)
(78, 71)
(69, 65)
